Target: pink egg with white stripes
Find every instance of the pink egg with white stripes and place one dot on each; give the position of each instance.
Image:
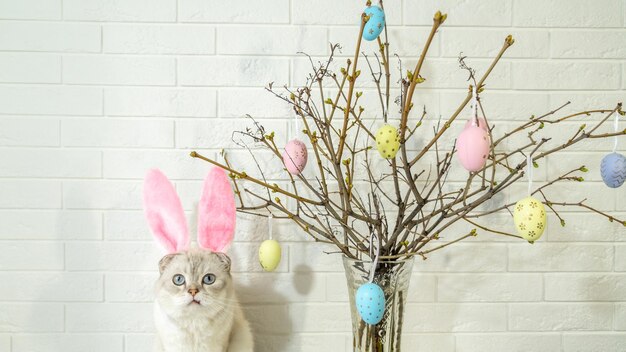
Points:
(473, 148)
(295, 156)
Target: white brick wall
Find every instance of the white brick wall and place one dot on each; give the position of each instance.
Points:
(94, 92)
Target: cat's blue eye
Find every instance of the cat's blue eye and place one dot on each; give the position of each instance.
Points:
(208, 279)
(178, 279)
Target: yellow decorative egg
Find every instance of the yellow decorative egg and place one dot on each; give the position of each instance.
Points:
(530, 218)
(269, 254)
(387, 141)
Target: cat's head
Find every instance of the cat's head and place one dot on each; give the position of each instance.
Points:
(191, 278)
(194, 283)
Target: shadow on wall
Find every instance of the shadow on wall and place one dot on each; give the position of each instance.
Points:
(269, 311)
(268, 319)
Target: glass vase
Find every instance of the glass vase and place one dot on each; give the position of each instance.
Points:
(394, 278)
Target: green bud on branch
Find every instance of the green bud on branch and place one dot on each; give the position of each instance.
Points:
(509, 40)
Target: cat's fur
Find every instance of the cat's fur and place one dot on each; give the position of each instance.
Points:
(216, 323)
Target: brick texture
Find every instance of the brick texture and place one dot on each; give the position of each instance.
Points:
(95, 92)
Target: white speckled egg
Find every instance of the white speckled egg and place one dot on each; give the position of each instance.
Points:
(370, 303)
(530, 218)
(375, 24)
(269, 255)
(295, 156)
(387, 141)
(613, 170)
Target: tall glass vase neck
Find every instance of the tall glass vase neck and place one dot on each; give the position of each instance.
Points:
(394, 278)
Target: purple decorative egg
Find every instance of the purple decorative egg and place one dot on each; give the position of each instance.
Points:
(473, 148)
(295, 156)
(613, 170)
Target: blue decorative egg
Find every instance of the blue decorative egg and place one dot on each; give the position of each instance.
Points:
(613, 170)
(370, 302)
(375, 24)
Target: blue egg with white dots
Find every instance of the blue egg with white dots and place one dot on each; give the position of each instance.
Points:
(375, 24)
(613, 170)
(370, 303)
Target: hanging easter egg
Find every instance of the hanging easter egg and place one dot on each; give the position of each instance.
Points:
(613, 170)
(295, 156)
(375, 24)
(481, 123)
(269, 255)
(530, 218)
(387, 141)
(370, 303)
(473, 148)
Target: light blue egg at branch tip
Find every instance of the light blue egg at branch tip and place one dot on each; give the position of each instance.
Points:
(613, 170)
(375, 24)
(370, 303)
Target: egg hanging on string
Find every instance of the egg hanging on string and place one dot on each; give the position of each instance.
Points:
(613, 170)
(472, 147)
(370, 303)
(295, 156)
(375, 24)
(530, 219)
(387, 141)
(269, 255)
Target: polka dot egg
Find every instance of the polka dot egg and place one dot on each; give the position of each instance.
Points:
(530, 220)
(370, 303)
(387, 141)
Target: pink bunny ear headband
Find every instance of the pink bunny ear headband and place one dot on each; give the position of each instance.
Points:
(164, 212)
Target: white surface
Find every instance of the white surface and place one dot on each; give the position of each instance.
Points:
(94, 92)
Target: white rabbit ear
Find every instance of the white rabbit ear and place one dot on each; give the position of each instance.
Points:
(164, 212)
(216, 212)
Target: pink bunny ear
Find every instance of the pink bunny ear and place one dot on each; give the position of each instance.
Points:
(164, 212)
(216, 212)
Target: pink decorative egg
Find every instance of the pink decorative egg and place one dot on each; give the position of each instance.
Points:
(481, 123)
(473, 148)
(295, 156)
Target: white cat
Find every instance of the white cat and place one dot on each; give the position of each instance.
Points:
(196, 309)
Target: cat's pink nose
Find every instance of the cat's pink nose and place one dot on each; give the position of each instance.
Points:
(193, 291)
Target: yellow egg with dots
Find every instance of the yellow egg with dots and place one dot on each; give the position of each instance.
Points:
(387, 141)
(530, 219)
(269, 255)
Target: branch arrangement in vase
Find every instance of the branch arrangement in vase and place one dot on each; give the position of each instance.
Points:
(411, 205)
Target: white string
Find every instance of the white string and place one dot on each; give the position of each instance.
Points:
(297, 129)
(375, 262)
(474, 107)
(616, 127)
(269, 224)
(529, 164)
